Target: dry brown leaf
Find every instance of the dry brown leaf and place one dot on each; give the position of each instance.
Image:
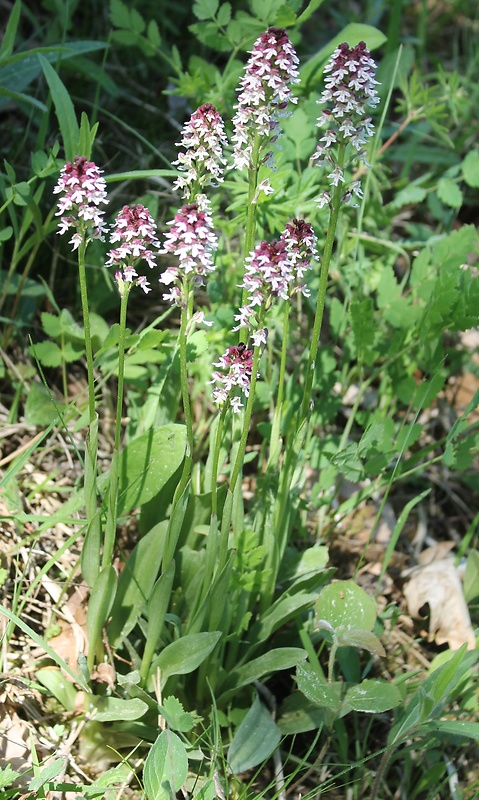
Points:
(438, 584)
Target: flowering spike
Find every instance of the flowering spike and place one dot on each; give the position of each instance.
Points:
(135, 230)
(84, 190)
(203, 139)
(237, 364)
(192, 240)
(350, 89)
(264, 93)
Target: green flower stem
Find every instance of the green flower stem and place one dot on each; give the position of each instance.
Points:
(246, 422)
(110, 528)
(323, 283)
(216, 457)
(183, 341)
(251, 211)
(238, 464)
(86, 326)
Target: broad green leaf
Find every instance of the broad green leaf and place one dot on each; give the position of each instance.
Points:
(471, 576)
(470, 169)
(449, 193)
(119, 14)
(47, 774)
(186, 654)
(373, 696)
(136, 582)
(64, 109)
(284, 609)
(48, 353)
(344, 603)
(205, 9)
(99, 607)
(317, 690)
(363, 639)
(281, 658)
(450, 727)
(166, 767)
(254, 741)
(58, 686)
(110, 709)
(299, 715)
(39, 408)
(147, 463)
(157, 607)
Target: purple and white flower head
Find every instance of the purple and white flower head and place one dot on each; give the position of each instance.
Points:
(202, 162)
(350, 90)
(135, 232)
(192, 240)
(84, 190)
(237, 366)
(276, 269)
(264, 94)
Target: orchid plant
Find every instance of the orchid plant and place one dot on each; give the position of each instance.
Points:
(276, 275)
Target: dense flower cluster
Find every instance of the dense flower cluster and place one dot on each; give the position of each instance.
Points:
(275, 269)
(237, 364)
(203, 139)
(350, 89)
(84, 191)
(191, 238)
(264, 93)
(135, 231)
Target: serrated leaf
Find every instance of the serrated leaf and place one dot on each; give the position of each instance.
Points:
(450, 194)
(119, 14)
(205, 9)
(48, 354)
(224, 14)
(166, 767)
(51, 324)
(176, 717)
(255, 739)
(470, 169)
(153, 33)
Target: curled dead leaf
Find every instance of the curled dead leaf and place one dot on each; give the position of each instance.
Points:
(438, 584)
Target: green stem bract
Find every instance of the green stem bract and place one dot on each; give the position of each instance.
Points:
(86, 327)
(323, 283)
(274, 452)
(112, 512)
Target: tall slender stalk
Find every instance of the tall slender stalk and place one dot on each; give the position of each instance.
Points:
(86, 326)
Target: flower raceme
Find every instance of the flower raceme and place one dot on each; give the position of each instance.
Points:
(276, 269)
(202, 162)
(84, 190)
(350, 89)
(191, 238)
(264, 94)
(135, 232)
